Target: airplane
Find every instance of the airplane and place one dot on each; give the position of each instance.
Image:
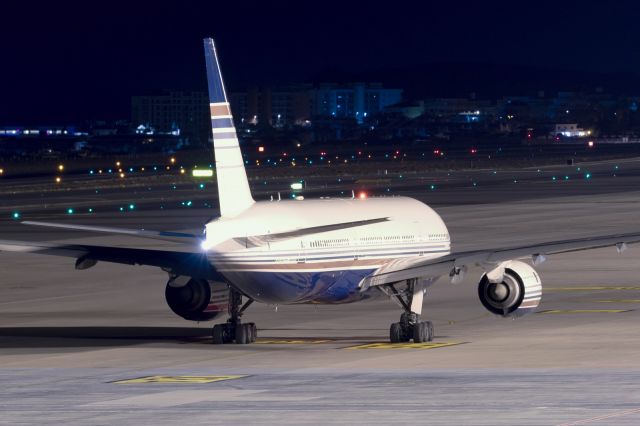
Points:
(315, 251)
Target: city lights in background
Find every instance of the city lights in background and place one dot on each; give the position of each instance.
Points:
(58, 179)
(61, 167)
(1, 171)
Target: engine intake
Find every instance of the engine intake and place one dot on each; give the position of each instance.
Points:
(197, 300)
(518, 293)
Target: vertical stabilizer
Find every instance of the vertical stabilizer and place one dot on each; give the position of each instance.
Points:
(233, 187)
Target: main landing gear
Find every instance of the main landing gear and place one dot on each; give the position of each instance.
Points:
(410, 326)
(234, 330)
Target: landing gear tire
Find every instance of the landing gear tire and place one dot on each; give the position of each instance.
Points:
(242, 334)
(254, 331)
(218, 334)
(396, 333)
(432, 332)
(419, 332)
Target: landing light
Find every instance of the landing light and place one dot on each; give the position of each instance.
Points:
(362, 195)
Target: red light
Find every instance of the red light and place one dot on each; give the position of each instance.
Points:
(529, 135)
(284, 154)
(397, 152)
(362, 195)
(261, 149)
(590, 144)
(473, 150)
(436, 151)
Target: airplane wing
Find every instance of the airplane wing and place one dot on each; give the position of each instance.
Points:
(452, 264)
(193, 264)
(142, 233)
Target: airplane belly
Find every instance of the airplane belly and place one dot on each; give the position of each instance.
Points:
(289, 287)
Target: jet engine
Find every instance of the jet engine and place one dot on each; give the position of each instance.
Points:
(195, 299)
(518, 292)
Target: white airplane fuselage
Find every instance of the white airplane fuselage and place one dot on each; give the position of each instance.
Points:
(323, 267)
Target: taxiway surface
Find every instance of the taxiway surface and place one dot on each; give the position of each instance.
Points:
(100, 346)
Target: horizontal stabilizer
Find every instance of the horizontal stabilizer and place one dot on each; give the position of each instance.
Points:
(141, 233)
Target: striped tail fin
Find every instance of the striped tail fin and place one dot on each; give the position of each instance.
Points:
(233, 186)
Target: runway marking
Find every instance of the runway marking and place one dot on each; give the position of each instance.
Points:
(619, 301)
(585, 311)
(407, 345)
(177, 379)
(291, 342)
(594, 288)
(604, 417)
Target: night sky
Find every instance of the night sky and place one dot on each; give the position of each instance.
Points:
(68, 61)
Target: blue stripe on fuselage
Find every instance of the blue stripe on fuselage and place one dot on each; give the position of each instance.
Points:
(339, 286)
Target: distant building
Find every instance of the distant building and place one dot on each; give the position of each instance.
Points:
(277, 107)
(173, 112)
(357, 101)
(298, 105)
(570, 130)
(457, 107)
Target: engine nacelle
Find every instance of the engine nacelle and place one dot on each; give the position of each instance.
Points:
(518, 293)
(197, 300)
